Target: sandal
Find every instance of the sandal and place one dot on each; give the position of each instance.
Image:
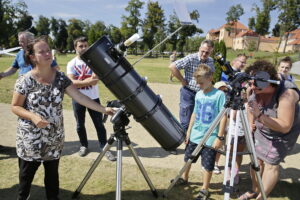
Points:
(248, 195)
(180, 181)
(203, 195)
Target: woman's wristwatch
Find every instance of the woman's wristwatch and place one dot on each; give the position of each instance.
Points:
(222, 138)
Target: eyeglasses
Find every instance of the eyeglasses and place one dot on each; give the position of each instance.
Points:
(244, 63)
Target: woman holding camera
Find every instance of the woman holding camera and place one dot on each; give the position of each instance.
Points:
(275, 112)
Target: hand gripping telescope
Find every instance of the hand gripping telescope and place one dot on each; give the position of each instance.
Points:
(118, 75)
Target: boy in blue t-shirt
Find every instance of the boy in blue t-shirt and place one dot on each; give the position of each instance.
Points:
(208, 103)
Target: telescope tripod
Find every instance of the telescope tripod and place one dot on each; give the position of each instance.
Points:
(120, 135)
(239, 106)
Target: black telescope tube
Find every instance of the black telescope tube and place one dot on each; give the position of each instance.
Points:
(125, 83)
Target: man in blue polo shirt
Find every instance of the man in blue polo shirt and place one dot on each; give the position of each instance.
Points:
(19, 63)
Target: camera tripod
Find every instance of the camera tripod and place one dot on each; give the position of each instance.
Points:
(234, 102)
(120, 121)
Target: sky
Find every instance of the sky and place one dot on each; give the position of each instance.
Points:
(212, 12)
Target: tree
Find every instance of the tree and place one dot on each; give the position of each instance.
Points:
(75, 30)
(251, 23)
(234, 13)
(276, 30)
(24, 20)
(173, 25)
(114, 34)
(262, 24)
(288, 18)
(219, 48)
(194, 43)
(195, 15)
(132, 22)
(42, 26)
(96, 31)
(13, 18)
(60, 33)
(153, 23)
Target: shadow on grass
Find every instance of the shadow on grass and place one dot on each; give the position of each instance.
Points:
(38, 193)
(72, 147)
(7, 152)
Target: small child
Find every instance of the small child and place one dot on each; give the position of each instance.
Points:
(208, 103)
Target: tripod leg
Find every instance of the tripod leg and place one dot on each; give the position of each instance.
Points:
(141, 167)
(250, 145)
(232, 133)
(229, 189)
(215, 123)
(119, 168)
(93, 167)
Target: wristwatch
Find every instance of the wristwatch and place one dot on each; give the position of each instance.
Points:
(221, 138)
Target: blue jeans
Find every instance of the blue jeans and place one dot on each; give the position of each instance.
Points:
(187, 102)
(79, 113)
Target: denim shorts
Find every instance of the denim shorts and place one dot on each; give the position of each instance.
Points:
(208, 156)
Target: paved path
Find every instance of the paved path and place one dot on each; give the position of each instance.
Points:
(149, 151)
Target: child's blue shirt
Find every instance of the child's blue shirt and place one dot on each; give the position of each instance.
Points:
(207, 107)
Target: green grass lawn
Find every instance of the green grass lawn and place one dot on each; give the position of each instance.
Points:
(102, 183)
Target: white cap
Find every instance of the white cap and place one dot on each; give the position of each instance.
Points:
(219, 84)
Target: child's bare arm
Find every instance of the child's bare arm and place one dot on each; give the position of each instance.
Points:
(218, 142)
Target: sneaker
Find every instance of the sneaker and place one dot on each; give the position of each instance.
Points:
(217, 170)
(110, 156)
(203, 195)
(83, 151)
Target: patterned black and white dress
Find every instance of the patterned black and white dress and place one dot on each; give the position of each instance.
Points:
(41, 144)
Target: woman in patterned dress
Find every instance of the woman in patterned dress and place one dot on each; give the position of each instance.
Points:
(37, 101)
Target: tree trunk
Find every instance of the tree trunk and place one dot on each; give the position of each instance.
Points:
(285, 42)
(280, 39)
(258, 43)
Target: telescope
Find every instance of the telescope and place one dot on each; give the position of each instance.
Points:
(261, 78)
(107, 61)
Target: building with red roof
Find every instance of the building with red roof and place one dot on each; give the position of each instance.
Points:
(290, 41)
(238, 36)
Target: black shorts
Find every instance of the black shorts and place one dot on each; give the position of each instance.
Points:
(241, 140)
(208, 156)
